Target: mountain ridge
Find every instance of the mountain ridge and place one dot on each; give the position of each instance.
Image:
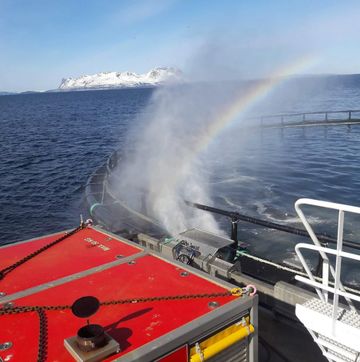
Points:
(105, 80)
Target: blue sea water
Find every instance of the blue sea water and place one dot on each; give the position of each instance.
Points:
(52, 142)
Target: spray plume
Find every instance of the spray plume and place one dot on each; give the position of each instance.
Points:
(169, 149)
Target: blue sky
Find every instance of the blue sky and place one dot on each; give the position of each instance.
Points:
(42, 42)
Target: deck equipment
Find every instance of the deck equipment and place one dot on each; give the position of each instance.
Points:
(95, 296)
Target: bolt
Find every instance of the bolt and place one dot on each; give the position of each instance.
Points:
(6, 345)
(213, 304)
(9, 305)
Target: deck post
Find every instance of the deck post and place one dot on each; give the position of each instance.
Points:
(234, 231)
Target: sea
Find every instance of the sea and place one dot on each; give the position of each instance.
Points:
(51, 143)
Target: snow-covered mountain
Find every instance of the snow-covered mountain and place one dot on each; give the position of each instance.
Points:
(122, 79)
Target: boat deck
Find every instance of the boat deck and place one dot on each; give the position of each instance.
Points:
(86, 249)
(119, 272)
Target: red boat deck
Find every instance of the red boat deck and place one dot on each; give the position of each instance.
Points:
(132, 325)
(86, 249)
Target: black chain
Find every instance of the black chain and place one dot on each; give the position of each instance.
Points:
(37, 308)
(168, 297)
(43, 334)
(11, 267)
(42, 350)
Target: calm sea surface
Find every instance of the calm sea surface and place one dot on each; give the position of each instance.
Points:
(51, 143)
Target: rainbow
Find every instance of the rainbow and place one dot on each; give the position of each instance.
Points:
(260, 90)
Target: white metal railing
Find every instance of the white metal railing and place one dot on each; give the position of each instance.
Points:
(323, 288)
(320, 117)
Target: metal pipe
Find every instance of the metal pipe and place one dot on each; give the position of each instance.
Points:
(240, 217)
(234, 233)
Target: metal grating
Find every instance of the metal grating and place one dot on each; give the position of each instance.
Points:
(333, 356)
(336, 344)
(343, 315)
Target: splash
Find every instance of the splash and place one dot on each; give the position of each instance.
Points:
(233, 111)
(168, 159)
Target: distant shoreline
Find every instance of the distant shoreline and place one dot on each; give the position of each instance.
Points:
(105, 88)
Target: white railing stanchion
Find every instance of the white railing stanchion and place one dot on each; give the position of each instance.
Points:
(325, 278)
(340, 235)
(311, 281)
(333, 326)
(328, 205)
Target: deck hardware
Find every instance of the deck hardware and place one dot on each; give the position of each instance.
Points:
(91, 339)
(8, 305)
(6, 345)
(90, 336)
(213, 304)
(85, 307)
(109, 238)
(2, 294)
(184, 274)
(119, 256)
(252, 220)
(131, 262)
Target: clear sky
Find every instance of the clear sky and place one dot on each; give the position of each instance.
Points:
(43, 41)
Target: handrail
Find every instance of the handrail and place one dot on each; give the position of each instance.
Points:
(323, 285)
(306, 113)
(337, 290)
(323, 289)
(288, 119)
